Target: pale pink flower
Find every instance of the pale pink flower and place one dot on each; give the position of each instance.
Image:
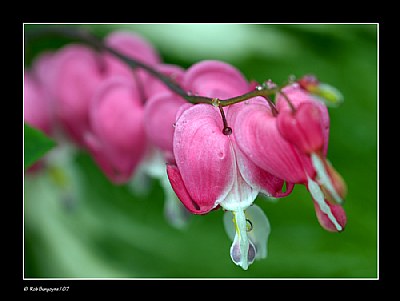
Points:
(37, 111)
(116, 138)
(154, 86)
(77, 73)
(38, 102)
(161, 108)
(133, 46)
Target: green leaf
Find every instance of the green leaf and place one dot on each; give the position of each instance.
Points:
(36, 144)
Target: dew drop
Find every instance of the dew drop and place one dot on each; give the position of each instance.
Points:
(291, 78)
(270, 84)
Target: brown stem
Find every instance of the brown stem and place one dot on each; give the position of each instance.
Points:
(88, 38)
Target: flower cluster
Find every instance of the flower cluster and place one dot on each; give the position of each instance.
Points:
(209, 155)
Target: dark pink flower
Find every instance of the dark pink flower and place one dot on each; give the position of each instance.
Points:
(210, 169)
(293, 147)
(202, 154)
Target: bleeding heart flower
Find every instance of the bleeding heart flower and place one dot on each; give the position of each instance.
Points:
(133, 46)
(37, 111)
(210, 169)
(76, 75)
(155, 86)
(293, 146)
(160, 110)
(117, 139)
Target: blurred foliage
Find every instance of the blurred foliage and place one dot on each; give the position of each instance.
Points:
(111, 232)
(36, 144)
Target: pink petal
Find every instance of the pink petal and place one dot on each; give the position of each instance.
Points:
(215, 79)
(302, 128)
(96, 150)
(178, 186)
(259, 178)
(76, 77)
(160, 116)
(182, 109)
(337, 211)
(155, 86)
(36, 106)
(258, 137)
(133, 46)
(298, 96)
(42, 68)
(204, 155)
(255, 176)
(117, 122)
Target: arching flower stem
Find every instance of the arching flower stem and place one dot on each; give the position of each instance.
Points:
(93, 41)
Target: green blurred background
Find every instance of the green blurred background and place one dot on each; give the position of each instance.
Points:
(108, 231)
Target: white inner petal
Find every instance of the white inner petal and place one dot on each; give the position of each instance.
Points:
(260, 230)
(258, 233)
(324, 178)
(319, 197)
(229, 224)
(241, 232)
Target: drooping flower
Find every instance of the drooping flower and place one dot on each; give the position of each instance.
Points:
(76, 75)
(210, 170)
(133, 46)
(293, 146)
(155, 86)
(78, 72)
(37, 111)
(160, 110)
(116, 138)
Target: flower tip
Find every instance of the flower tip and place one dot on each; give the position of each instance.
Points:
(334, 221)
(331, 182)
(237, 258)
(324, 92)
